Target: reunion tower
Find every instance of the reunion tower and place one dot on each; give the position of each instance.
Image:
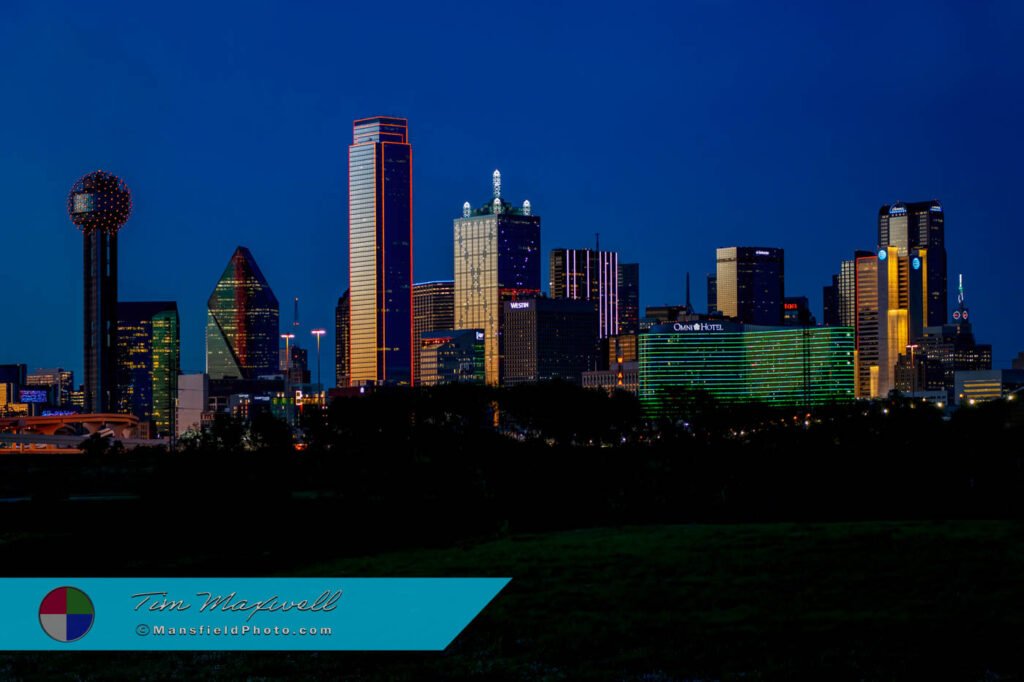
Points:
(99, 204)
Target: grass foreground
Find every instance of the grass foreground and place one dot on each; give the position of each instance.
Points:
(873, 600)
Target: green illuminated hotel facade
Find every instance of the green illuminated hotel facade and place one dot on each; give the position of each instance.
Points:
(780, 366)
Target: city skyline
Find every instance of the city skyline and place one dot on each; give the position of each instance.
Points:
(195, 204)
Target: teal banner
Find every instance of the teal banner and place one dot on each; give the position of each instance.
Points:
(173, 614)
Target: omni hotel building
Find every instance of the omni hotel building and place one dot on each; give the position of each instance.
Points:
(733, 362)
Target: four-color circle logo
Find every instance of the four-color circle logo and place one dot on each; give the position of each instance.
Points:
(66, 614)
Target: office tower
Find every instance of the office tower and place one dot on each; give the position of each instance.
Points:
(60, 381)
(380, 252)
(294, 364)
(952, 347)
(99, 204)
(589, 275)
(242, 323)
(920, 225)
(13, 379)
(341, 324)
(193, 402)
(712, 294)
(902, 301)
(830, 303)
(796, 312)
(451, 356)
(848, 289)
(433, 305)
(548, 339)
(629, 298)
(750, 284)
(16, 375)
(148, 362)
(867, 329)
(497, 259)
(736, 363)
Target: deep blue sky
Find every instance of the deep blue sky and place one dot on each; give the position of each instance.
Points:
(670, 128)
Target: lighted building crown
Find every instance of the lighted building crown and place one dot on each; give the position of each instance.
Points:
(100, 201)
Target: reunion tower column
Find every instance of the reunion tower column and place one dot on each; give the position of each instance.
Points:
(99, 204)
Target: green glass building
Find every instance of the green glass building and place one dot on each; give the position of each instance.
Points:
(779, 366)
(148, 364)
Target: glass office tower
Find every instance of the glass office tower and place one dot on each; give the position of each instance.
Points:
(242, 323)
(497, 259)
(341, 318)
(589, 275)
(629, 298)
(380, 252)
(433, 305)
(750, 284)
(148, 362)
(920, 225)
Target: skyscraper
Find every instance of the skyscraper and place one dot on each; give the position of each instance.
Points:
(99, 204)
(920, 225)
(433, 305)
(589, 275)
(242, 322)
(380, 251)
(867, 329)
(830, 303)
(629, 298)
(750, 284)
(341, 327)
(712, 293)
(497, 259)
(148, 352)
(548, 339)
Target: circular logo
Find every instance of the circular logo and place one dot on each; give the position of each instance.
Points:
(916, 263)
(66, 614)
(956, 314)
(882, 255)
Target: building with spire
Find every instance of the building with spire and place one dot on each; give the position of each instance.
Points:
(934, 358)
(497, 259)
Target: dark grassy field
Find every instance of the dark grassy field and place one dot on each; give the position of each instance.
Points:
(880, 600)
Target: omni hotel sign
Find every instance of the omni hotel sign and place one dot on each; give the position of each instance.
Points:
(698, 327)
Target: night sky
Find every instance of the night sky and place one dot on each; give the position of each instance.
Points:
(670, 128)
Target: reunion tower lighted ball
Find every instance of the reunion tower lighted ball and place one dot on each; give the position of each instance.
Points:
(100, 201)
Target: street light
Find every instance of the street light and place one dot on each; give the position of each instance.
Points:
(318, 333)
(913, 370)
(287, 359)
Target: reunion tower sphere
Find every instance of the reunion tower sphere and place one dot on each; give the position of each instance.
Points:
(100, 201)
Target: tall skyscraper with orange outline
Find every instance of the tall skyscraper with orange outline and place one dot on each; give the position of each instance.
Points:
(380, 252)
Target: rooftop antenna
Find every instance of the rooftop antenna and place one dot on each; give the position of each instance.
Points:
(688, 306)
(295, 320)
(496, 179)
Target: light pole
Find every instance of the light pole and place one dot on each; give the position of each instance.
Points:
(913, 371)
(318, 333)
(287, 360)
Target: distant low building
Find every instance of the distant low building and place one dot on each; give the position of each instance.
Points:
(983, 385)
(451, 356)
